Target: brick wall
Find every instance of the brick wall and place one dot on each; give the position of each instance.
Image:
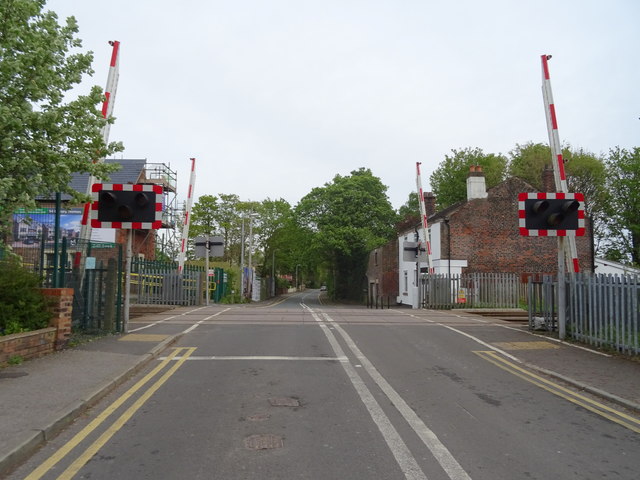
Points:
(485, 233)
(46, 340)
(383, 267)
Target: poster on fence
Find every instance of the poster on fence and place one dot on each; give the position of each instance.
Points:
(31, 226)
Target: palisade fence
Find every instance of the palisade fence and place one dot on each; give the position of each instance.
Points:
(473, 290)
(158, 283)
(97, 290)
(601, 310)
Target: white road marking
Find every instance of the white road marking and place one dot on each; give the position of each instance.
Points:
(446, 460)
(399, 449)
(199, 322)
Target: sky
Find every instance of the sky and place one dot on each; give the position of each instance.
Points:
(276, 97)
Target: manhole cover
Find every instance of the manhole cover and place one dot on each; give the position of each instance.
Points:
(284, 402)
(258, 417)
(13, 374)
(263, 442)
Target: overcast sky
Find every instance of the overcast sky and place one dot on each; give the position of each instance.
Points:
(275, 97)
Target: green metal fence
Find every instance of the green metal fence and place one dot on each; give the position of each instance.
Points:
(93, 269)
(158, 283)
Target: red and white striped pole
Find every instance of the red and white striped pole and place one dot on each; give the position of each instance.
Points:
(423, 215)
(557, 159)
(107, 111)
(187, 220)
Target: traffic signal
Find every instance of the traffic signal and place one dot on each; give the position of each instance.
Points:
(129, 206)
(551, 214)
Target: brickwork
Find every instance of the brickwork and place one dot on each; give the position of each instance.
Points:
(46, 340)
(144, 242)
(485, 233)
(383, 268)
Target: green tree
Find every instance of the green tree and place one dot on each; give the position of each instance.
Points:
(204, 216)
(528, 161)
(623, 204)
(43, 140)
(448, 181)
(345, 219)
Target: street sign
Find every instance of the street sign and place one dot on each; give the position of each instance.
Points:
(414, 252)
(215, 245)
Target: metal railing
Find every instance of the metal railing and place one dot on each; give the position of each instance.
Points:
(474, 290)
(601, 310)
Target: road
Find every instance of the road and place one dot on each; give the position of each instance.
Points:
(302, 390)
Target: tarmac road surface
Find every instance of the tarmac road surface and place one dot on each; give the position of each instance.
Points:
(305, 390)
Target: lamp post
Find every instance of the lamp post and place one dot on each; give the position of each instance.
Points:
(297, 276)
(273, 272)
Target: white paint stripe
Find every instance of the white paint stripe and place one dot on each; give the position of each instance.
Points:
(151, 324)
(446, 460)
(264, 358)
(399, 449)
(199, 322)
(475, 339)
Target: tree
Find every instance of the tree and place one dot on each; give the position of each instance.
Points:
(204, 216)
(43, 140)
(345, 220)
(623, 204)
(528, 161)
(448, 181)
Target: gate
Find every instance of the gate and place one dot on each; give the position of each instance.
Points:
(158, 283)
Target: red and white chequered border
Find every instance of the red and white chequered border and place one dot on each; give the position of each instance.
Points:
(550, 196)
(126, 187)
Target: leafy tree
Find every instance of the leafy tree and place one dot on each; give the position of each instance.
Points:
(586, 173)
(410, 209)
(623, 204)
(344, 221)
(43, 140)
(528, 161)
(448, 181)
(204, 216)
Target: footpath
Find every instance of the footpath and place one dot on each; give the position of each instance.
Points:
(41, 397)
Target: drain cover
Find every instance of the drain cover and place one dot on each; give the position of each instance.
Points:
(263, 442)
(284, 402)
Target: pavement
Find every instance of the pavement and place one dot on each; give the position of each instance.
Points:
(40, 397)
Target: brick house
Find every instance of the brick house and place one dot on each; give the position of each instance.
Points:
(479, 235)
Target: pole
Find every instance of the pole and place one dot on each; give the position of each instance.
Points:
(207, 246)
(107, 112)
(423, 214)
(127, 281)
(273, 273)
(187, 220)
(56, 240)
(559, 175)
(242, 258)
(561, 290)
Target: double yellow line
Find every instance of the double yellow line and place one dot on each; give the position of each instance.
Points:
(117, 425)
(609, 413)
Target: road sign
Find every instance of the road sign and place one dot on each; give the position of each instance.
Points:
(215, 245)
(414, 252)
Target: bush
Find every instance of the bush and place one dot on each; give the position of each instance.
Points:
(22, 305)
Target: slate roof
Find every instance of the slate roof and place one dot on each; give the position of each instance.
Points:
(130, 172)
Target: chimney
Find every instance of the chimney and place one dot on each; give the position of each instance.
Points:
(548, 180)
(430, 203)
(476, 186)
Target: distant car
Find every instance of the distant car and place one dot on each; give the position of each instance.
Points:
(323, 288)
